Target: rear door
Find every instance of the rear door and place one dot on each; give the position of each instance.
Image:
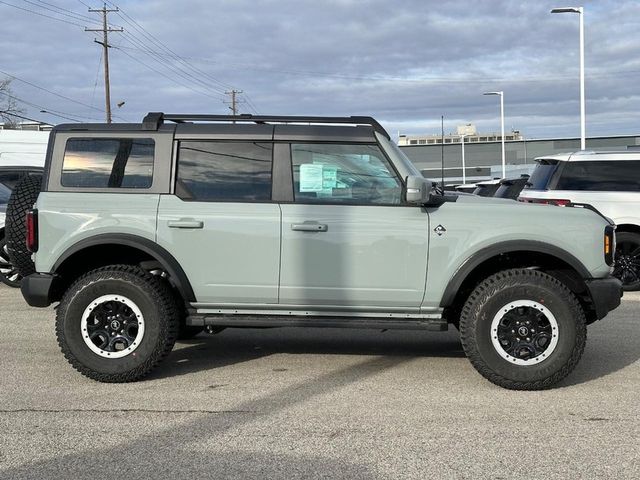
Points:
(348, 242)
(220, 223)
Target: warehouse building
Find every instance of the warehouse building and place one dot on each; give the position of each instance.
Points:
(483, 158)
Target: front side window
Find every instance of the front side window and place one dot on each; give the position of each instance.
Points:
(108, 163)
(620, 176)
(211, 171)
(339, 173)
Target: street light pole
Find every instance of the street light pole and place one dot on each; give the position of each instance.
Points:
(583, 128)
(501, 93)
(464, 171)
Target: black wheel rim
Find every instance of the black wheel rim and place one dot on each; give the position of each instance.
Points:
(112, 326)
(524, 332)
(627, 264)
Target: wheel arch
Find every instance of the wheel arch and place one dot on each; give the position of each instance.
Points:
(121, 248)
(628, 227)
(517, 254)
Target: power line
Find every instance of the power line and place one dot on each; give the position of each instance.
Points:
(184, 75)
(59, 11)
(176, 69)
(163, 46)
(51, 92)
(164, 75)
(10, 114)
(41, 14)
(57, 113)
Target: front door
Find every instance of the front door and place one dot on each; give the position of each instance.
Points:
(347, 239)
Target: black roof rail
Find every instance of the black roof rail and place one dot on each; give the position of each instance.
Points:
(153, 120)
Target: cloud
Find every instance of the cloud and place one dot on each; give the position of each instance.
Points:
(404, 62)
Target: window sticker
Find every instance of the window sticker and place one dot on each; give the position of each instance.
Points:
(329, 176)
(311, 177)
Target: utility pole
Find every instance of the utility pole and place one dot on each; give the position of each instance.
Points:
(234, 101)
(105, 45)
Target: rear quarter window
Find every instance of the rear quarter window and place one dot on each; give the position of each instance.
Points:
(620, 176)
(108, 163)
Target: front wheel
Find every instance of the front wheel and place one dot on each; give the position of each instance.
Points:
(627, 265)
(523, 329)
(116, 323)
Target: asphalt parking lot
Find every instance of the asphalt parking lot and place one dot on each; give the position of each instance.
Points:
(293, 403)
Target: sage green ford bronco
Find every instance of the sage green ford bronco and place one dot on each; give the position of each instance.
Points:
(145, 233)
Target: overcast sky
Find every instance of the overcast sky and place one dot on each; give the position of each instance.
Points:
(406, 62)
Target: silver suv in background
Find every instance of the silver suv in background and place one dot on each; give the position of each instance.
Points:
(606, 181)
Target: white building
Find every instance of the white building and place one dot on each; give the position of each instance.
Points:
(467, 131)
(23, 147)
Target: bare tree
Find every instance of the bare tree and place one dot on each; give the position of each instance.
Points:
(10, 110)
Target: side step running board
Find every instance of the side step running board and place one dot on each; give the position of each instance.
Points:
(431, 324)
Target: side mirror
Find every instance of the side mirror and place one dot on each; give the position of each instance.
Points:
(419, 190)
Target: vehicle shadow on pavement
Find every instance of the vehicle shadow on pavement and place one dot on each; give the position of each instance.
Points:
(612, 345)
(234, 346)
(203, 445)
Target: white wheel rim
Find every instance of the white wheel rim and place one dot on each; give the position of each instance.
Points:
(513, 359)
(114, 336)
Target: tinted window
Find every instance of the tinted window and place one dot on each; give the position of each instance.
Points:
(343, 174)
(10, 179)
(604, 176)
(224, 171)
(541, 175)
(108, 163)
(5, 193)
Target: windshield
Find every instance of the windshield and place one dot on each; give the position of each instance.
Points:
(541, 175)
(397, 155)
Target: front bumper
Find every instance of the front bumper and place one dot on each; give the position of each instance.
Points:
(605, 294)
(37, 289)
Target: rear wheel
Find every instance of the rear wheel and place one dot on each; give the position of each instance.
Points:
(9, 275)
(627, 258)
(115, 324)
(523, 329)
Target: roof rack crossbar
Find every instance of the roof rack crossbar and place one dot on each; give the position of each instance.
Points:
(153, 120)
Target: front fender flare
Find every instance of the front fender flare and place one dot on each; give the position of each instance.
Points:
(507, 247)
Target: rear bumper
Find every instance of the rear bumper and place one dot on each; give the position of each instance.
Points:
(37, 289)
(605, 293)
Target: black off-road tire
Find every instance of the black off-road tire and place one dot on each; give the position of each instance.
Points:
(22, 198)
(151, 295)
(508, 286)
(627, 260)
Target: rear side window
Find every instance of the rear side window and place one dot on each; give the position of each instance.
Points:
(542, 174)
(620, 176)
(108, 163)
(224, 171)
